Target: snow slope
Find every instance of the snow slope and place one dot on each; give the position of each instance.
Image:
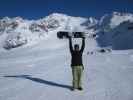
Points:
(19, 32)
(45, 74)
(16, 32)
(40, 69)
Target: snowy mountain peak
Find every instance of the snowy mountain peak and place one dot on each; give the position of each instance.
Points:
(122, 14)
(114, 19)
(18, 31)
(93, 20)
(57, 15)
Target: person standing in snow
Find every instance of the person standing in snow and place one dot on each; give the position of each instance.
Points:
(76, 63)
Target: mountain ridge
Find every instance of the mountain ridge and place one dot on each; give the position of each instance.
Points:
(16, 31)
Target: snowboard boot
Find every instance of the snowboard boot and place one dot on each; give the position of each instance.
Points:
(80, 88)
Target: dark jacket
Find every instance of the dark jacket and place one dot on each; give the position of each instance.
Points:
(76, 55)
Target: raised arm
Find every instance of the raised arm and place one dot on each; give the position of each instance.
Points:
(83, 45)
(70, 45)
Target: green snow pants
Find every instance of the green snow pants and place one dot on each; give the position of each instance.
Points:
(77, 72)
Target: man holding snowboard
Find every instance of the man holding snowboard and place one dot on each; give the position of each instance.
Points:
(76, 63)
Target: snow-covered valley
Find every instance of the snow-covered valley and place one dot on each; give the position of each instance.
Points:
(35, 64)
(42, 74)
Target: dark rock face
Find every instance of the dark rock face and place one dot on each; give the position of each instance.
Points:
(14, 42)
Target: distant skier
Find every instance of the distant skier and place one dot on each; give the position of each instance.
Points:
(76, 63)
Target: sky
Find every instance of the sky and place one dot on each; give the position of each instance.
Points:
(35, 9)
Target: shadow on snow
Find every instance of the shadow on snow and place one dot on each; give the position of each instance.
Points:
(38, 80)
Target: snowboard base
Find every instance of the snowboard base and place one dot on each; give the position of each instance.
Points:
(64, 34)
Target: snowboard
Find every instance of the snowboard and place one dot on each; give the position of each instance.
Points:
(64, 34)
